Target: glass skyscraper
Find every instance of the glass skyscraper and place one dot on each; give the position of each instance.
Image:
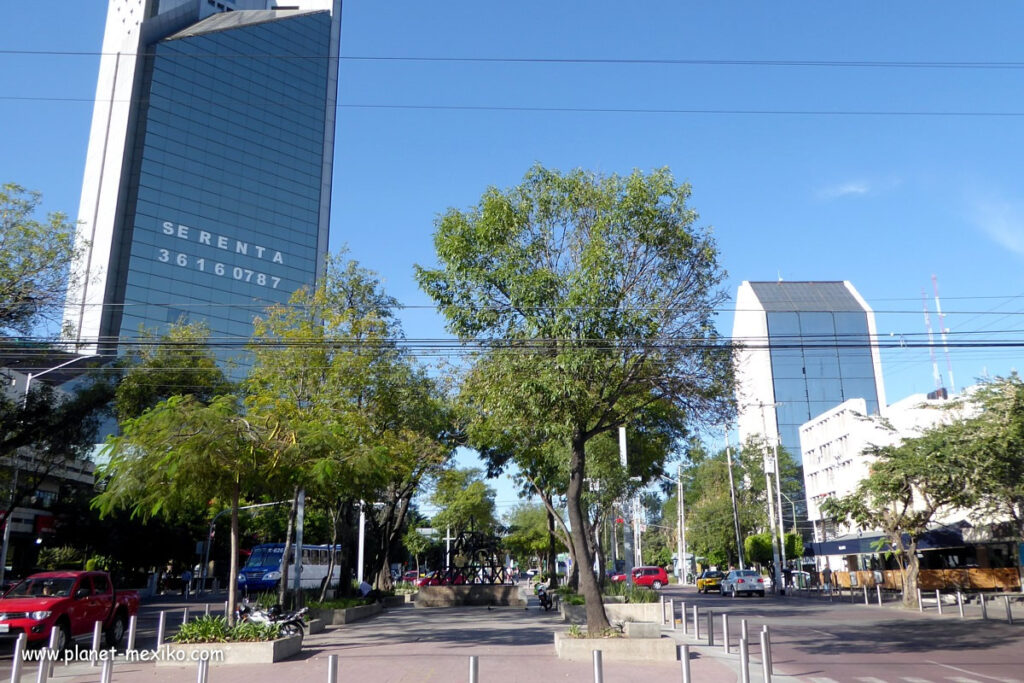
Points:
(208, 177)
(807, 348)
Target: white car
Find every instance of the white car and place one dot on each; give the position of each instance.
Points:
(743, 581)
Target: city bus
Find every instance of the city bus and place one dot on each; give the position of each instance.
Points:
(262, 571)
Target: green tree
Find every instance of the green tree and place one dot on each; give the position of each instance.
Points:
(527, 537)
(592, 299)
(464, 501)
(36, 261)
(179, 455)
(175, 363)
(417, 544)
(758, 548)
(58, 428)
(994, 440)
(909, 485)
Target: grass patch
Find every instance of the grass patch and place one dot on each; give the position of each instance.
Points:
(340, 603)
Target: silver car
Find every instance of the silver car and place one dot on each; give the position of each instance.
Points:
(743, 581)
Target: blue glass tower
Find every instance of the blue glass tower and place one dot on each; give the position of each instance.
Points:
(207, 191)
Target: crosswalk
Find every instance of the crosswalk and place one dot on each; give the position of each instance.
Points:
(911, 679)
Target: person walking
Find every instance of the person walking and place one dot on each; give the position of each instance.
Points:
(826, 579)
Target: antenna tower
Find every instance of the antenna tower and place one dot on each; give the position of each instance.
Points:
(931, 340)
(943, 330)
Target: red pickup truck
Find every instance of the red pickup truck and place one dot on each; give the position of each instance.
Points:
(69, 601)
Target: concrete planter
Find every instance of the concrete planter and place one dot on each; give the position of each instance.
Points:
(336, 617)
(615, 649)
(616, 611)
(480, 595)
(394, 601)
(220, 654)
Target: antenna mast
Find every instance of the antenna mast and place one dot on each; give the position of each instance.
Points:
(931, 340)
(943, 330)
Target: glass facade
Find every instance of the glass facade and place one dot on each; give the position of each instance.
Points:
(222, 212)
(819, 359)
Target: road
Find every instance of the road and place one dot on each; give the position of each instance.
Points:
(821, 641)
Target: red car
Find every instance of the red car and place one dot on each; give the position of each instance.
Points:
(437, 579)
(652, 577)
(71, 602)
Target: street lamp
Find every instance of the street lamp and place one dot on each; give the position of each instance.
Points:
(14, 488)
(680, 524)
(792, 508)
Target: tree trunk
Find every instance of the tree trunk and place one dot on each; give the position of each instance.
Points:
(282, 588)
(913, 571)
(335, 515)
(597, 620)
(233, 566)
(552, 561)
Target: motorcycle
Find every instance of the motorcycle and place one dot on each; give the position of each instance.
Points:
(545, 599)
(288, 623)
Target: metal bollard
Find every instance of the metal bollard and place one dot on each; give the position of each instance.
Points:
(682, 616)
(133, 627)
(332, 668)
(767, 654)
(725, 633)
(19, 659)
(672, 614)
(107, 671)
(765, 666)
(984, 607)
(743, 630)
(744, 661)
(161, 626)
(1009, 614)
(46, 668)
(202, 671)
(696, 623)
(865, 595)
(206, 610)
(684, 662)
(878, 589)
(920, 603)
(661, 599)
(225, 608)
(97, 635)
(711, 628)
(184, 616)
(598, 668)
(43, 673)
(474, 669)
(960, 603)
(938, 600)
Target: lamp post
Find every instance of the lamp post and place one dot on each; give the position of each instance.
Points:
(732, 496)
(680, 523)
(14, 489)
(792, 508)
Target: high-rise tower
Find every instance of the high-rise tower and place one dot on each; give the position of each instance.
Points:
(207, 183)
(808, 348)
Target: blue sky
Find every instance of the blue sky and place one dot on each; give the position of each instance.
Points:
(929, 182)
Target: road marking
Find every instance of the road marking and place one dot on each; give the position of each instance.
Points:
(909, 679)
(824, 680)
(973, 673)
(961, 679)
(824, 633)
(870, 679)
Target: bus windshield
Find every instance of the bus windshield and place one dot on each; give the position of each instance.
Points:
(265, 557)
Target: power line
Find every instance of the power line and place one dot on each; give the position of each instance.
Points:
(823, 63)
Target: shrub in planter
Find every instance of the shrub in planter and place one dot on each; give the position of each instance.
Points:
(215, 629)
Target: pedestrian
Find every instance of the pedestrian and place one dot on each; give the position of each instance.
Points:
(186, 582)
(826, 578)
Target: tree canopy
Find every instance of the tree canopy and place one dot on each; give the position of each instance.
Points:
(36, 261)
(591, 299)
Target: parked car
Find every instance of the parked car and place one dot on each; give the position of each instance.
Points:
(709, 579)
(439, 579)
(410, 576)
(652, 577)
(743, 581)
(70, 601)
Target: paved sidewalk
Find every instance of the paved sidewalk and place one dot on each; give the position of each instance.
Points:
(424, 645)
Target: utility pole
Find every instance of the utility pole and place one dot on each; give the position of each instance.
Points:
(684, 566)
(770, 467)
(627, 535)
(732, 495)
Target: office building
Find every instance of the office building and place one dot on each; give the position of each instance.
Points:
(807, 347)
(207, 183)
